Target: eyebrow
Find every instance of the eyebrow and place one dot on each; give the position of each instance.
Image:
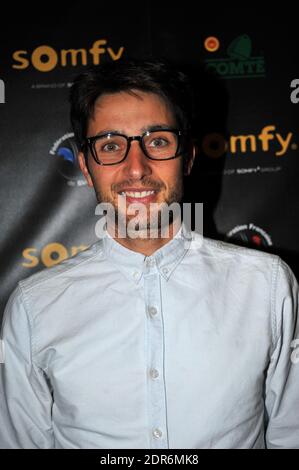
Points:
(150, 128)
(157, 127)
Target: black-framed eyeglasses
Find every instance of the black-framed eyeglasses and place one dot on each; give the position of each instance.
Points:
(113, 148)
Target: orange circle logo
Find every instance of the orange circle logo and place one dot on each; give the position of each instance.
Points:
(212, 44)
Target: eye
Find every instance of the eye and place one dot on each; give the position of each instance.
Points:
(112, 144)
(110, 147)
(158, 142)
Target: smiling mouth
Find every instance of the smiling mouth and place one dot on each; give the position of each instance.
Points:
(139, 196)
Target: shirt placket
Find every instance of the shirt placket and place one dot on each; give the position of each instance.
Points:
(155, 357)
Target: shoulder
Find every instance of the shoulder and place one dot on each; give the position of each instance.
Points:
(51, 289)
(244, 257)
(234, 265)
(71, 268)
(45, 301)
(220, 252)
(261, 271)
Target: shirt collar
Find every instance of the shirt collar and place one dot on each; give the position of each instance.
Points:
(134, 265)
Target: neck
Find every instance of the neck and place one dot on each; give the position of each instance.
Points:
(147, 246)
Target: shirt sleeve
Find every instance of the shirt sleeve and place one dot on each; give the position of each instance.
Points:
(282, 382)
(25, 397)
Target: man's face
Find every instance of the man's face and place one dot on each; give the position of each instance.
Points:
(132, 115)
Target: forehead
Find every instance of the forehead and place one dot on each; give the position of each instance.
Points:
(131, 108)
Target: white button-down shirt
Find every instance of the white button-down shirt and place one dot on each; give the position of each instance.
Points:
(192, 347)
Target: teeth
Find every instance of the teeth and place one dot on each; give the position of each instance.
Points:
(137, 194)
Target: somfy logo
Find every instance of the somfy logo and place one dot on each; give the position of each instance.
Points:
(2, 92)
(269, 140)
(45, 58)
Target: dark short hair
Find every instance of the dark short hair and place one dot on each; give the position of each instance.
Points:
(152, 76)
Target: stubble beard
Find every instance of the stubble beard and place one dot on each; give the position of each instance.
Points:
(158, 217)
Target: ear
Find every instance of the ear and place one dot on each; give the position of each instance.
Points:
(84, 169)
(189, 163)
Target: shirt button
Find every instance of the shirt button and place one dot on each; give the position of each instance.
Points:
(135, 275)
(165, 270)
(152, 311)
(154, 373)
(157, 433)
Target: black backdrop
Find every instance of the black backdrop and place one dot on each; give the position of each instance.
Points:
(242, 59)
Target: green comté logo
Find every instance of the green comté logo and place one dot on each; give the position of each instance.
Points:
(239, 63)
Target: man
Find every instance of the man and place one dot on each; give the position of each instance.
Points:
(141, 341)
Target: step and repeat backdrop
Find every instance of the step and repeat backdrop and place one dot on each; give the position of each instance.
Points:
(247, 129)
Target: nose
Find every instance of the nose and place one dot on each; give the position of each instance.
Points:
(137, 165)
